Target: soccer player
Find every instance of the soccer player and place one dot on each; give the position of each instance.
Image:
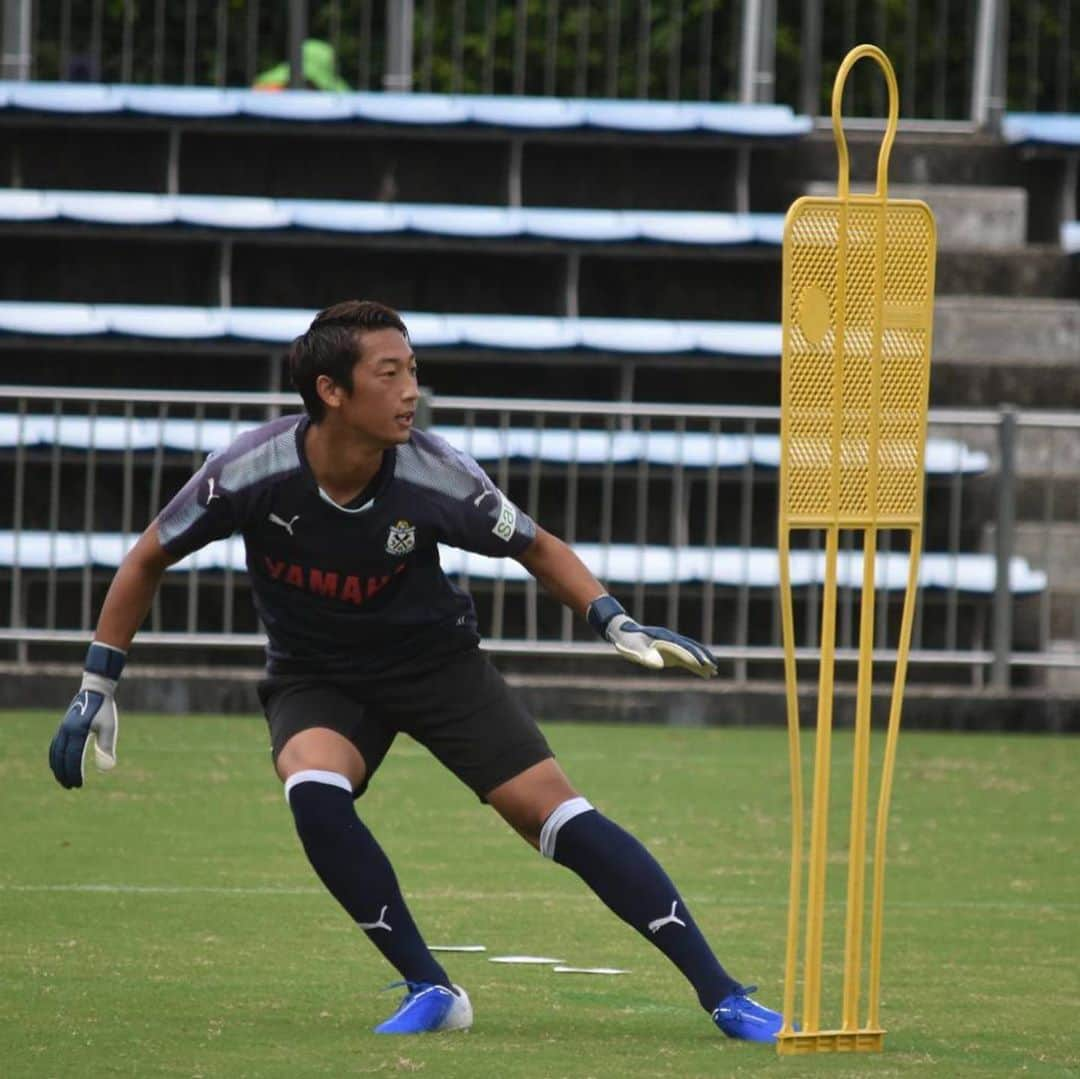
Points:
(341, 509)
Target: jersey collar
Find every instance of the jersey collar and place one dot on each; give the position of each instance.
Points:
(368, 496)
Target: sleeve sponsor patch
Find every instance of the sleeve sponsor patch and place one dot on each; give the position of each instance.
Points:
(506, 522)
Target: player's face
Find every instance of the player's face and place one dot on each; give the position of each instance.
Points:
(382, 405)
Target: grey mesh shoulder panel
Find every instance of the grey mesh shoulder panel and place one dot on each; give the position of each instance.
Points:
(176, 524)
(429, 461)
(263, 461)
(257, 455)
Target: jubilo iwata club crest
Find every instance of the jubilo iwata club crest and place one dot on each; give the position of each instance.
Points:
(401, 538)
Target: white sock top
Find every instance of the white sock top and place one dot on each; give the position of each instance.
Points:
(317, 775)
(568, 810)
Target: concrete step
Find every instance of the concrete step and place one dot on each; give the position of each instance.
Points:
(924, 158)
(1027, 384)
(1063, 680)
(1051, 546)
(1021, 272)
(606, 693)
(991, 350)
(969, 218)
(988, 330)
(1054, 548)
(1047, 489)
(1042, 453)
(917, 157)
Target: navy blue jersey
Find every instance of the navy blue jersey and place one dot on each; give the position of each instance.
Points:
(354, 589)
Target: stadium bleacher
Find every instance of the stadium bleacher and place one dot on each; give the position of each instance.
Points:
(513, 141)
(547, 263)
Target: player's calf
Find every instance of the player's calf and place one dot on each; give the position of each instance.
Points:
(357, 873)
(634, 885)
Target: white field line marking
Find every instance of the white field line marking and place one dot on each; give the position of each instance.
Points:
(472, 896)
(158, 889)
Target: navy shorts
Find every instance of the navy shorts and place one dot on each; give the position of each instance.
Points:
(461, 710)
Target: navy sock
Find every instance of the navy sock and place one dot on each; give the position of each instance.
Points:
(633, 885)
(358, 874)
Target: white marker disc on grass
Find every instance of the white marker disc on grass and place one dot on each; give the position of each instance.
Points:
(542, 959)
(589, 970)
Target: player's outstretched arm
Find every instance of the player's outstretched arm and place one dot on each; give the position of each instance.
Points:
(93, 711)
(568, 579)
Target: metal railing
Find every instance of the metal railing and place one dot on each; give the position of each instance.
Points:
(956, 59)
(709, 487)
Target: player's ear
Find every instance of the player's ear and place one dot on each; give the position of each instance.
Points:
(330, 393)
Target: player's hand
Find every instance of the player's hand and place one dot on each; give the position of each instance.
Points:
(651, 646)
(91, 719)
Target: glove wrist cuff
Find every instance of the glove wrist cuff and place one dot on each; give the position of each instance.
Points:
(601, 611)
(98, 684)
(105, 661)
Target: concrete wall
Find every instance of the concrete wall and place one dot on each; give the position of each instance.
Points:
(623, 696)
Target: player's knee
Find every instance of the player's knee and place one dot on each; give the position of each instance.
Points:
(561, 815)
(529, 817)
(321, 749)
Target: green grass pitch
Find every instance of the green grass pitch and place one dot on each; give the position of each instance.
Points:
(163, 920)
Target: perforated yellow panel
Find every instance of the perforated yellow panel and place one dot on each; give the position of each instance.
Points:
(858, 315)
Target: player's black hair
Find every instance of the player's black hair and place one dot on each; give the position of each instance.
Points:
(331, 347)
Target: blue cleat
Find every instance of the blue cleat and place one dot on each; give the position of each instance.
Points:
(428, 1008)
(740, 1017)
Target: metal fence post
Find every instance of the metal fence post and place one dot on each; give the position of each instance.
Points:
(1003, 547)
(757, 63)
(399, 46)
(17, 22)
(765, 88)
(999, 72)
(298, 23)
(749, 50)
(810, 74)
(984, 78)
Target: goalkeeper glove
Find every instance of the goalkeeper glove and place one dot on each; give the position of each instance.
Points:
(92, 712)
(651, 646)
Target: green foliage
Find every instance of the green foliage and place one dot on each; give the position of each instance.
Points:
(622, 48)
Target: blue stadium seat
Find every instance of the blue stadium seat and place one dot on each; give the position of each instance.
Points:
(518, 332)
(618, 563)
(380, 218)
(523, 113)
(691, 449)
(1054, 129)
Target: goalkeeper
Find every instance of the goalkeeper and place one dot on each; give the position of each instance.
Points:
(341, 509)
